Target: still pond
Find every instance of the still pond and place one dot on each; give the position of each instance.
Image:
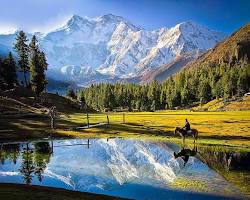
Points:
(129, 168)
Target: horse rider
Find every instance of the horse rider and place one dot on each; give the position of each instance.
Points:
(186, 126)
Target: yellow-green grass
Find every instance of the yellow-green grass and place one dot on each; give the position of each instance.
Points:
(233, 125)
(230, 105)
(230, 128)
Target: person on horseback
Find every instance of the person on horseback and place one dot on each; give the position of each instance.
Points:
(186, 126)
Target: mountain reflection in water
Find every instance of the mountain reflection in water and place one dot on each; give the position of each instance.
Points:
(121, 167)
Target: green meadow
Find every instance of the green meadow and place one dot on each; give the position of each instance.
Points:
(231, 128)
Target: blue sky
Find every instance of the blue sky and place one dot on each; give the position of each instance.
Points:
(43, 15)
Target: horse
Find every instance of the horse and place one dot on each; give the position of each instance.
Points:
(183, 133)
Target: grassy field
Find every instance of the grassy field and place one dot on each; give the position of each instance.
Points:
(230, 128)
(22, 117)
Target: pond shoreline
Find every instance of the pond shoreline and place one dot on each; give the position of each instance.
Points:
(42, 192)
(147, 136)
(32, 192)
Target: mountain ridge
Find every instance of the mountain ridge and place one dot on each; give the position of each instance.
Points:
(113, 47)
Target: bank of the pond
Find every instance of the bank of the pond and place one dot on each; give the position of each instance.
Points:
(24, 192)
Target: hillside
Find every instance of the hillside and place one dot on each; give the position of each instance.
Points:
(234, 50)
(21, 100)
(236, 104)
(22, 116)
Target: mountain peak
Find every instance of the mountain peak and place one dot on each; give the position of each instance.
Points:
(189, 26)
(76, 22)
(75, 19)
(109, 16)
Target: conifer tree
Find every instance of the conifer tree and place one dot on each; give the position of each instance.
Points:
(22, 50)
(37, 67)
(70, 93)
(2, 82)
(10, 71)
(44, 66)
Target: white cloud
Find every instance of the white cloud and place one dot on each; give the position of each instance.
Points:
(7, 28)
(50, 24)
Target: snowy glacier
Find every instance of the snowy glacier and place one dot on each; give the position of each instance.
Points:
(95, 49)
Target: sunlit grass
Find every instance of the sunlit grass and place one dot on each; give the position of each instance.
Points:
(231, 128)
(236, 123)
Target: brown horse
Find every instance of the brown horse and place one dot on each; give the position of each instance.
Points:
(183, 133)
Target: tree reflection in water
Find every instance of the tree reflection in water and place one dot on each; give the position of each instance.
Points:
(27, 168)
(9, 152)
(42, 156)
(34, 158)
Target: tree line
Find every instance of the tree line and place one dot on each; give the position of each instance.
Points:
(190, 86)
(31, 62)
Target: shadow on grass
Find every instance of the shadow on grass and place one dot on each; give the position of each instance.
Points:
(130, 128)
(152, 131)
(32, 128)
(26, 128)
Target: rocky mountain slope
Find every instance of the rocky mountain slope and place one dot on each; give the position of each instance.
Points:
(109, 48)
(234, 50)
(162, 73)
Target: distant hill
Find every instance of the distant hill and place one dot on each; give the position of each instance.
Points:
(236, 104)
(233, 51)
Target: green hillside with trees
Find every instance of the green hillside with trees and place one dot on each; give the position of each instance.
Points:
(198, 85)
(222, 72)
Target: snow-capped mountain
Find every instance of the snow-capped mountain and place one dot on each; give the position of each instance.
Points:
(110, 46)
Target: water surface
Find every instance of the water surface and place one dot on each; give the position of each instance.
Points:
(127, 168)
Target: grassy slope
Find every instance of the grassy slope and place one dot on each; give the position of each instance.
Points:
(219, 104)
(23, 192)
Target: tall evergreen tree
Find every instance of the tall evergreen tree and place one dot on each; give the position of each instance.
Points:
(38, 66)
(44, 66)
(22, 50)
(71, 94)
(1, 74)
(10, 71)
